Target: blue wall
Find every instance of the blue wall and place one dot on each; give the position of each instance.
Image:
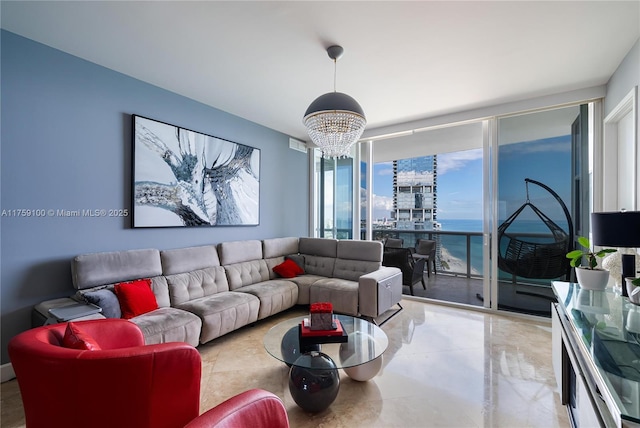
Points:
(66, 144)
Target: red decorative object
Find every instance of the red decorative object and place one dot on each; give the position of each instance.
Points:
(321, 316)
(288, 269)
(77, 338)
(322, 307)
(135, 297)
(307, 332)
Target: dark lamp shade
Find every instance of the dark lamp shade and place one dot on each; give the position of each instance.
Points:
(616, 229)
(334, 101)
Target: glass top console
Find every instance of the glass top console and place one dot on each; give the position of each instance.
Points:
(606, 329)
(366, 342)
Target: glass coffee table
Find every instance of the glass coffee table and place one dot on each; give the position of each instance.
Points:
(313, 378)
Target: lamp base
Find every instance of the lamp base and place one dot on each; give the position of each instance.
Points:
(628, 270)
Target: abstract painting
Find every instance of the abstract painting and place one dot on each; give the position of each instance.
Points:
(186, 178)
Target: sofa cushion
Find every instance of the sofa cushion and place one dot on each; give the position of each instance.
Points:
(158, 285)
(304, 283)
(288, 269)
(223, 312)
(275, 296)
(342, 293)
(135, 297)
(107, 300)
(239, 251)
(353, 269)
(161, 290)
(76, 338)
(318, 265)
(277, 247)
(181, 260)
(246, 273)
(169, 325)
(196, 284)
(360, 250)
(90, 270)
(318, 247)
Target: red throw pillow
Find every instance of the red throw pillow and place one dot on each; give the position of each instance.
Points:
(76, 338)
(136, 297)
(288, 269)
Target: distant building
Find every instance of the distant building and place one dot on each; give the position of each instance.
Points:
(414, 193)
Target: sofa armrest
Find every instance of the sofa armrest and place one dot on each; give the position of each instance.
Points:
(379, 290)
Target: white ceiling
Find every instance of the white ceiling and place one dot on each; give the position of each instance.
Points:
(265, 61)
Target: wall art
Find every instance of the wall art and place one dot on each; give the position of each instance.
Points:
(186, 178)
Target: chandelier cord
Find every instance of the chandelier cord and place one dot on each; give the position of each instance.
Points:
(335, 73)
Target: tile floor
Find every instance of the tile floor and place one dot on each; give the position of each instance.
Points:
(444, 367)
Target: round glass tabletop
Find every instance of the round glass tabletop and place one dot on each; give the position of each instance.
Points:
(366, 342)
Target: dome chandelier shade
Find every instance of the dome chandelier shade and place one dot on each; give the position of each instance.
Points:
(334, 121)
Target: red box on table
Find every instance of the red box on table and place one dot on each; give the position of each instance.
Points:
(321, 316)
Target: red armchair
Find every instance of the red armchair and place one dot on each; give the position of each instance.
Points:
(255, 408)
(125, 384)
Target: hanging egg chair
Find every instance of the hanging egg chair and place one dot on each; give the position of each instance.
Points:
(531, 256)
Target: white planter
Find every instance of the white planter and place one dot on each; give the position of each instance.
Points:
(592, 279)
(633, 291)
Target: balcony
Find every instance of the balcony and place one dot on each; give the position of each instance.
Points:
(459, 277)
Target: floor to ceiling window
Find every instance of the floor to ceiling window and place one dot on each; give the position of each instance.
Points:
(489, 192)
(542, 202)
(336, 196)
(429, 185)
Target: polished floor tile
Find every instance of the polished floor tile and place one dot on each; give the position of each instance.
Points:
(444, 367)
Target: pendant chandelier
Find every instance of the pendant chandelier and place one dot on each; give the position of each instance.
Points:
(334, 121)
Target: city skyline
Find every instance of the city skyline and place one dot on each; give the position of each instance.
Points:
(460, 180)
(459, 191)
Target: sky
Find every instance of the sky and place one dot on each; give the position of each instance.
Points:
(459, 180)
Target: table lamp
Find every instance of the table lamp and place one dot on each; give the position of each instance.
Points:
(619, 229)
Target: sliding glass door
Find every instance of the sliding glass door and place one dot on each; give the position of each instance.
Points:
(542, 198)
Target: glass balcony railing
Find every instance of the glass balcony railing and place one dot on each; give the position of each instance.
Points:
(458, 253)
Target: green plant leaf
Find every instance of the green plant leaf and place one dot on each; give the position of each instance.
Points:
(573, 254)
(605, 251)
(577, 261)
(636, 281)
(584, 242)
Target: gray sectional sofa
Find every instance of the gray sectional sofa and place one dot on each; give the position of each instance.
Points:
(207, 291)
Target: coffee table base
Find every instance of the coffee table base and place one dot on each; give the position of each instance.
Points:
(314, 388)
(366, 371)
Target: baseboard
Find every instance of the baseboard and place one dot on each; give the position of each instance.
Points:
(6, 372)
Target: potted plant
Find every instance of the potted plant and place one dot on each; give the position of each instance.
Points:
(633, 290)
(589, 276)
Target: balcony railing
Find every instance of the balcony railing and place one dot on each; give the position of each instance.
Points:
(458, 253)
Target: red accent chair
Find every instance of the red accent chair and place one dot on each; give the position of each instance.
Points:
(124, 384)
(255, 408)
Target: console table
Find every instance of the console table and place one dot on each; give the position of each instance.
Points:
(596, 356)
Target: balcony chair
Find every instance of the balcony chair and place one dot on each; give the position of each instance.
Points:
(121, 383)
(393, 243)
(412, 269)
(426, 249)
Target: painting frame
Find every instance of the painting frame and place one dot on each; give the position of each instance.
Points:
(185, 178)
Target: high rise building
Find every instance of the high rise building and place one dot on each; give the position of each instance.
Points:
(414, 193)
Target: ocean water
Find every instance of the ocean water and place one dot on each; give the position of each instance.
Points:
(457, 244)
(461, 225)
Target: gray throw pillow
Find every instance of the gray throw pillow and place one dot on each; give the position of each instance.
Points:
(297, 258)
(107, 300)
